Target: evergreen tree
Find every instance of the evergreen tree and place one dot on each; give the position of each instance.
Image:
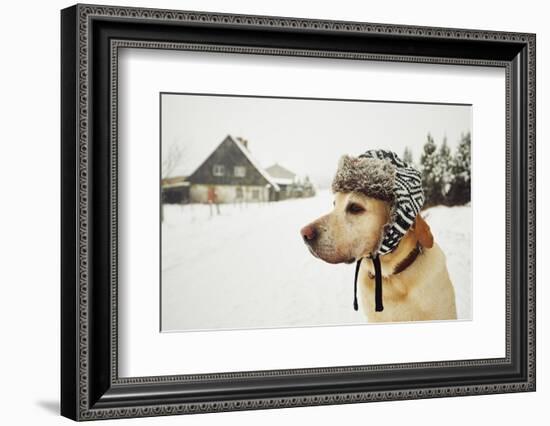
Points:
(444, 171)
(460, 192)
(431, 181)
(407, 155)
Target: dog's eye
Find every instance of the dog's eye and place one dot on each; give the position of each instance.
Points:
(354, 208)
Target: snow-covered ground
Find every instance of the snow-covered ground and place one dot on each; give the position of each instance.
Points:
(248, 266)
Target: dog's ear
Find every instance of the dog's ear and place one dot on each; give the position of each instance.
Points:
(423, 233)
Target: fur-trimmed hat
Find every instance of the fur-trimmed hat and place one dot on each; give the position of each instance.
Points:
(383, 175)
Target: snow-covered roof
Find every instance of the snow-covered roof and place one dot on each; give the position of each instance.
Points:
(279, 172)
(249, 157)
(283, 181)
(174, 182)
(175, 185)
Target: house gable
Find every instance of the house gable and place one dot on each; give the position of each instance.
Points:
(226, 166)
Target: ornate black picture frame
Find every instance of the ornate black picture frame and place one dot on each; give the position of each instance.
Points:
(90, 385)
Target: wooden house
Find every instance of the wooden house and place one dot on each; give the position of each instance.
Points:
(284, 178)
(175, 190)
(230, 174)
(290, 185)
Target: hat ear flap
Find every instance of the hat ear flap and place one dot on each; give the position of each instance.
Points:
(423, 232)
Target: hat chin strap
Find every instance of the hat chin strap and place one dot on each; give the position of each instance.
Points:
(357, 266)
(379, 307)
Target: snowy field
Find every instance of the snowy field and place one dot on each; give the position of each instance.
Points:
(248, 267)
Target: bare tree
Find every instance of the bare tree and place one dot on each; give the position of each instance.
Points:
(170, 161)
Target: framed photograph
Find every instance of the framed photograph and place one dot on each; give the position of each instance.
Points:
(263, 212)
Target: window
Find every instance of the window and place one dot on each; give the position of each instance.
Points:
(218, 170)
(239, 171)
(255, 194)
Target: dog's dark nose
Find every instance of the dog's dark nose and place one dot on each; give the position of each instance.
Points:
(309, 233)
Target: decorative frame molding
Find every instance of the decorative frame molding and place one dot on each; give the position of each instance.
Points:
(91, 37)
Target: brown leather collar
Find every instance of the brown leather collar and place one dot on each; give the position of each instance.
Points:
(406, 262)
(409, 260)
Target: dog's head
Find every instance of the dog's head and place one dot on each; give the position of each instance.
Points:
(353, 229)
(376, 198)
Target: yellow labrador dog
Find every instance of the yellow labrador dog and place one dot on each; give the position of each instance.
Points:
(415, 281)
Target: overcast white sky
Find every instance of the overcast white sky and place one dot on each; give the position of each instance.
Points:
(305, 136)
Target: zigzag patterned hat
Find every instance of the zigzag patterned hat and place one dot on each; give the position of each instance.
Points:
(383, 175)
